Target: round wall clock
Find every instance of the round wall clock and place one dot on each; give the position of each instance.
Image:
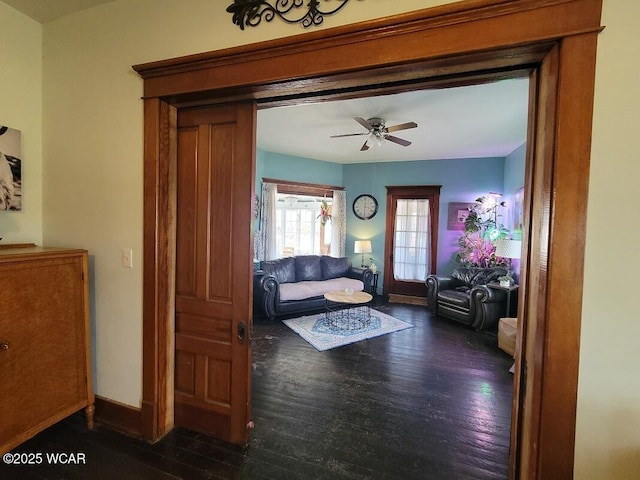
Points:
(365, 206)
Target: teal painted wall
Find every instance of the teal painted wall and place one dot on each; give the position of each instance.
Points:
(514, 169)
(462, 180)
(296, 169)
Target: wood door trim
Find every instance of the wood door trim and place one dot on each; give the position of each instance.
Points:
(159, 236)
(294, 64)
(452, 41)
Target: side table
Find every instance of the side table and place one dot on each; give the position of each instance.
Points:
(509, 289)
(374, 284)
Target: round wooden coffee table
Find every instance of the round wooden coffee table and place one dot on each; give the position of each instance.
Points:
(348, 311)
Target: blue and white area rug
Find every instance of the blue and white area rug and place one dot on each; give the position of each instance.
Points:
(316, 330)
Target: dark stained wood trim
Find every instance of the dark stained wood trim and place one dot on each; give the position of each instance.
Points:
(534, 315)
(286, 186)
(120, 417)
(568, 223)
(535, 105)
(481, 38)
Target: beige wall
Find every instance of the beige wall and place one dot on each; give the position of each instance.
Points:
(608, 429)
(21, 108)
(93, 188)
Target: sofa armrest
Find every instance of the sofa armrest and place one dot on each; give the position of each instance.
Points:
(486, 306)
(484, 294)
(266, 292)
(364, 274)
(436, 283)
(442, 283)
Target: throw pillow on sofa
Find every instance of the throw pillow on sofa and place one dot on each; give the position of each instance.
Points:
(333, 267)
(284, 269)
(308, 268)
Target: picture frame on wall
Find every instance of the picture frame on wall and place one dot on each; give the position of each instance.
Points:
(10, 169)
(458, 213)
(518, 211)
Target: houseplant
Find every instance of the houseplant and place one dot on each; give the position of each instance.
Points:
(481, 230)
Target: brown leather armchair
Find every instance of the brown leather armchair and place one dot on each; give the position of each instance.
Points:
(465, 297)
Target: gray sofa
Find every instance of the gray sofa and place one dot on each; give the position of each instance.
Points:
(297, 284)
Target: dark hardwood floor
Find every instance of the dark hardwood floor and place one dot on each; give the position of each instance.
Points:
(431, 402)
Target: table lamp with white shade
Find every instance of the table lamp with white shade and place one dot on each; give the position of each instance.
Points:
(362, 247)
(509, 249)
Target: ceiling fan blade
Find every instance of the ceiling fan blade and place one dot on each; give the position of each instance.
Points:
(399, 141)
(365, 147)
(402, 126)
(364, 123)
(349, 135)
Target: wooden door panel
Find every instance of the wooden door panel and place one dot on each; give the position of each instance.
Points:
(186, 205)
(213, 270)
(216, 307)
(185, 376)
(202, 326)
(220, 228)
(218, 386)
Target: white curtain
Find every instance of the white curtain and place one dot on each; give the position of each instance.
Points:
(338, 223)
(265, 247)
(411, 256)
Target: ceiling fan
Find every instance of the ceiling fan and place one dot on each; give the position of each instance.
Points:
(378, 131)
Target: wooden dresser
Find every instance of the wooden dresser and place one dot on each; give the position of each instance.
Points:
(45, 362)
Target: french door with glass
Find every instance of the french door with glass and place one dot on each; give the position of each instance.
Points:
(411, 244)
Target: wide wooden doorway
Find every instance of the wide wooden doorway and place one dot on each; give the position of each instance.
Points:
(462, 43)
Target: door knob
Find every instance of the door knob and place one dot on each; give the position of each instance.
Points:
(4, 345)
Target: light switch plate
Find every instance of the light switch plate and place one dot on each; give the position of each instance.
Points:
(127, 258)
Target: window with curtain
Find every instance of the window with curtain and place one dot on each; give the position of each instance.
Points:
(299, 230)
(411, 257)
(301, 219)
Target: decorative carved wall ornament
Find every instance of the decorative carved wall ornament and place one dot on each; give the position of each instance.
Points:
(251, 12)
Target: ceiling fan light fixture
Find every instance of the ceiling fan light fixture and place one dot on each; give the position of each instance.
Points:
(378, 132)
(376, 138)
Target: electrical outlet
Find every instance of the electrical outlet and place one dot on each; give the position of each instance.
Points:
(127, 258)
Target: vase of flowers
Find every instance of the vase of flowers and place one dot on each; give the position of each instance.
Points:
(325, 214)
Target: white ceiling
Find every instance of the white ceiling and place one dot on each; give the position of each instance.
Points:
(46, 10)
(488, 120)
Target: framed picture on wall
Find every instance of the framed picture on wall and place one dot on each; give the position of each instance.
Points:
(10, 169)
(518, 210)
(458, 213)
